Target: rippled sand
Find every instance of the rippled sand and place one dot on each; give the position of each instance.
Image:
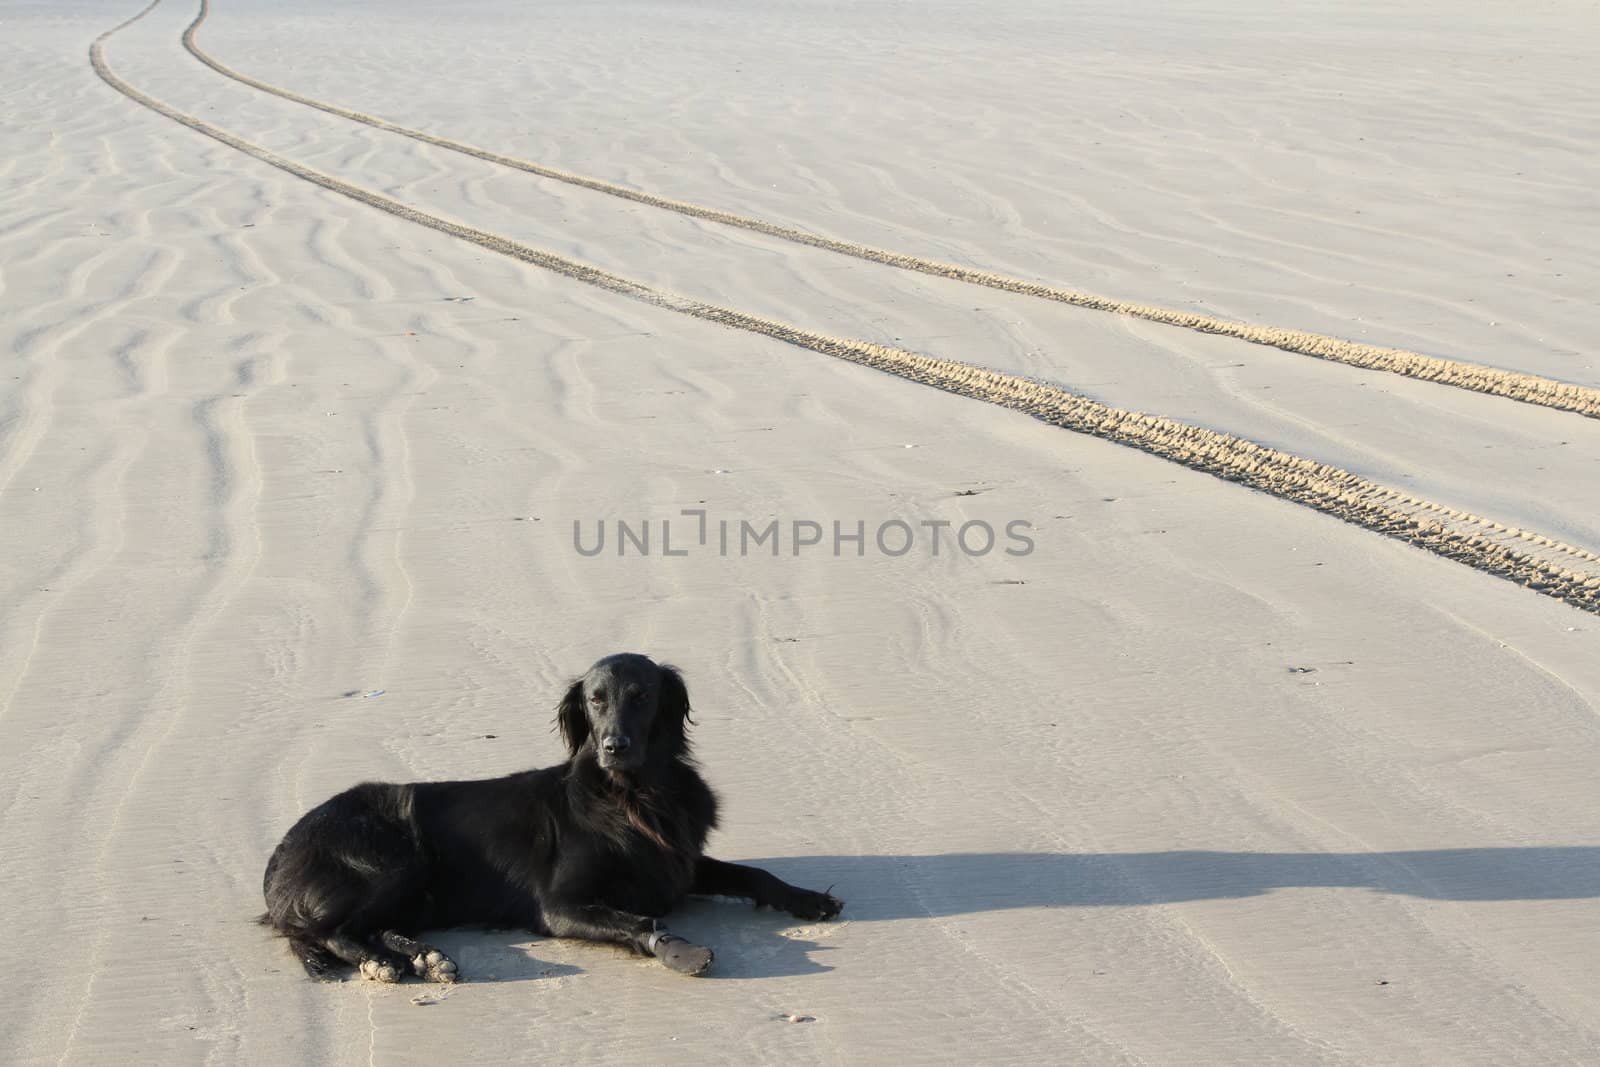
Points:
(288, 488)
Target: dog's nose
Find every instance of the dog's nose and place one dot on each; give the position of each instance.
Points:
(615, 744)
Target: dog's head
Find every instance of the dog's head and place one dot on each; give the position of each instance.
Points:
(632, 710)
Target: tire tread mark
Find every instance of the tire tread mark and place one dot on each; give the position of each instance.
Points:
(1529, 559)
(1495, 381)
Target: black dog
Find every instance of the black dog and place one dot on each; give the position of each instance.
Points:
(598, 847)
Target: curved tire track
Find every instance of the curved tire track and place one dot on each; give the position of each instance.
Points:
(1496, 381)
(1529, 559)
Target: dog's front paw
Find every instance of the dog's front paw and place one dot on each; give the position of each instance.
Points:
(814, 906)
(681, 956)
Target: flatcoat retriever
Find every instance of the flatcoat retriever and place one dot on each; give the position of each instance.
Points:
(599, 847)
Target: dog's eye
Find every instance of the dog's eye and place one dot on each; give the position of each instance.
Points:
(598, 698)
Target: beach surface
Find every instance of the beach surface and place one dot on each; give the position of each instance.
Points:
(298, 491)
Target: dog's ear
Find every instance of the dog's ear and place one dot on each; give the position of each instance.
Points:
(672, 715)
(573, 718)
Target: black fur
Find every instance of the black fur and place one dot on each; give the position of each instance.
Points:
(599, 847)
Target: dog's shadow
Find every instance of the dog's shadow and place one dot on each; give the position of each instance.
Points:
(499, 955)
(752, 943)
(886, 888)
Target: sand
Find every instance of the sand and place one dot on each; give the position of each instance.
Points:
(1208, 775)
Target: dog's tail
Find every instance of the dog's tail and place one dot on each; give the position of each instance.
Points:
(319, 963)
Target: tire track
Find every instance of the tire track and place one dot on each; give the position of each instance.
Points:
(1533, 560)
(1496, 381)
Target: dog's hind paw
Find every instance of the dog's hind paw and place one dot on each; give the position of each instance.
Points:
(435, 966)
(380, 970)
